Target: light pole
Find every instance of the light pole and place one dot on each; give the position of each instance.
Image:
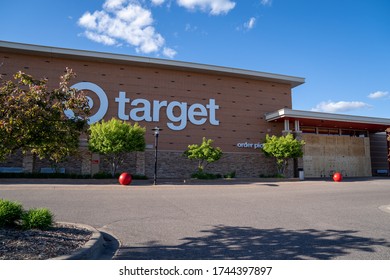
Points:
(156, 133)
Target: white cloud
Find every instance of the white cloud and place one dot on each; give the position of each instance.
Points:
(214, 7)
(88, 21)
(105, 40)
(157, 2)
(266, 2)
(378, 94)
(168, 52)
(250, 23)
(340, 106)
(124, 21)
(113, 4)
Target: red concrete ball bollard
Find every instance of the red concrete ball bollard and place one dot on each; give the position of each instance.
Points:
(125, 179)
(337, 177)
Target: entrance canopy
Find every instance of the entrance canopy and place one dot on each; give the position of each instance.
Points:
(318, 120)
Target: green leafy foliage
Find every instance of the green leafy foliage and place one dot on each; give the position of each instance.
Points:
(37, 218)
(114, 139)
(205, 176)
(205, 153)
(230, 175)
(32, 117)
(282, 149)
(10, 212)
(106, 175)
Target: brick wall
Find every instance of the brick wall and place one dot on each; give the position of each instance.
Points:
(174, 165)
(170, 164)
(242, 102)
(15, 160)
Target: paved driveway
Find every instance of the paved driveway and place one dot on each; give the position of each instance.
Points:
(255, 220)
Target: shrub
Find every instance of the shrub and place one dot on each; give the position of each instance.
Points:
(272, 176)
(106, 175)
(45, 175)
(230, 175)
(102, 175)
(205, 176)
(10, 212)
(39, 218)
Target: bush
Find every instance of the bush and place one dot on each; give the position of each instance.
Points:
(272, 176)
(103, 175)
(205, 176)
(45, 175)
(139, 177)
(106, 175)
(39, 218)
(230, 175)
(10, 212)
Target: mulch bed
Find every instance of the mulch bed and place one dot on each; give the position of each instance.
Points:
(61, 239)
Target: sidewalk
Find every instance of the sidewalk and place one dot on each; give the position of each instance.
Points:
(175, 181)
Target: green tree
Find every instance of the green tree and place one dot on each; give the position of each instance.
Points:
(282, 149)
(114, 139)
(32, 117)
(205, 153)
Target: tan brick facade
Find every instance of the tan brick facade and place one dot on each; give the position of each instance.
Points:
(240, 104)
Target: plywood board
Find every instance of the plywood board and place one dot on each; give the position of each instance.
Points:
(326, 154)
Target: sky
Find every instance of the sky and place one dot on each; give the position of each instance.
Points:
(341, 47)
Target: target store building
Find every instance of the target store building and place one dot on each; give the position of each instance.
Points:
(236, 108)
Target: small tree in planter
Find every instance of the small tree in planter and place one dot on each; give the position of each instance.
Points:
(204, 153)
(114, 139)
(282, 149)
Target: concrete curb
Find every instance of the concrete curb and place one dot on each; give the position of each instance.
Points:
(91, 250)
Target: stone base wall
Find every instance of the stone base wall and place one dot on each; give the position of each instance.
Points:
(15, 160)
(128, 165)
(72, 165)
(174, 165)
(171, 164)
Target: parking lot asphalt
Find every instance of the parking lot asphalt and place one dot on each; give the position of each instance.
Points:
(312, 219)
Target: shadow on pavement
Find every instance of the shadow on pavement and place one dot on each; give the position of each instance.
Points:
(110, 246)
(246, 243)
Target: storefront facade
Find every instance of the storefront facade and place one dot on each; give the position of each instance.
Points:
(188, 101)
(355, 146)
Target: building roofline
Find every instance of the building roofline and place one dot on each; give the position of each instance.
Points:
(298, 114)
(164, 63)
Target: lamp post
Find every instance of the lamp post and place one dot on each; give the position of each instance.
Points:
(156, 133)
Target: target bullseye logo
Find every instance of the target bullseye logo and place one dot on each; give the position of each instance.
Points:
(101, 112)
